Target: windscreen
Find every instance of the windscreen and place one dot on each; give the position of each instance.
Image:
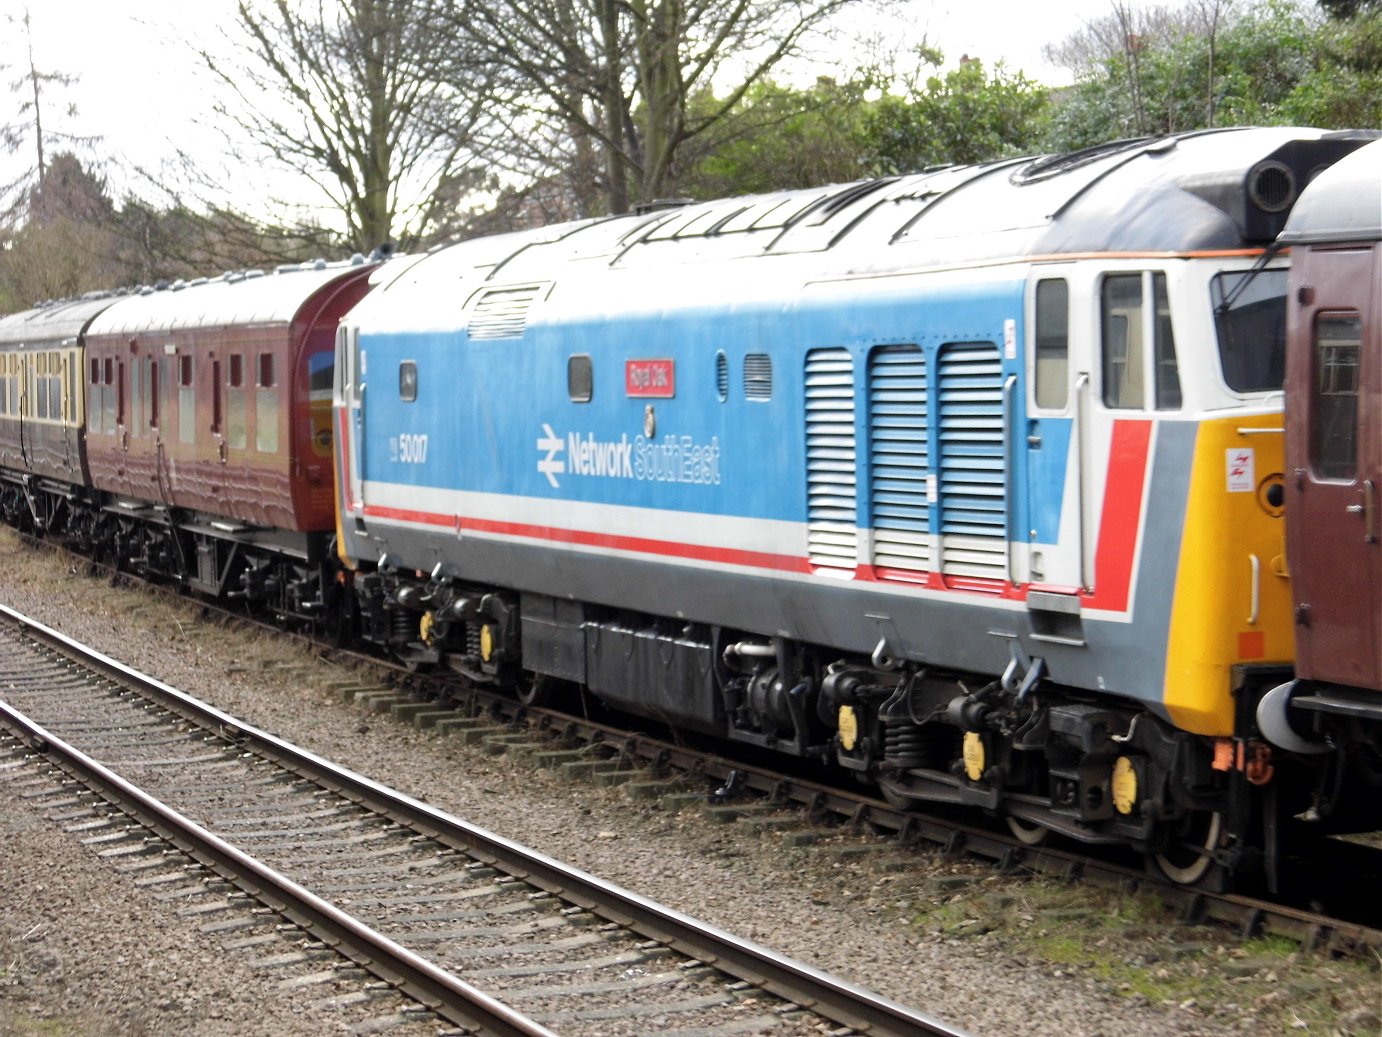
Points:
(1250, 312)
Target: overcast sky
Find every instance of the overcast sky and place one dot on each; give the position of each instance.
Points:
(143, 93)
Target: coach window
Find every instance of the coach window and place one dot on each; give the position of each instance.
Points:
(187, 401)
(1334, 418)
(55, 376)
(1136, 314)
(41, 385)
(138, 416)
(407, 381)
(55, 385)
(217, 392)
(93, 413)
(108, 396)
(580, 379)
(1052, 362)
(236, 436)
(266, 407)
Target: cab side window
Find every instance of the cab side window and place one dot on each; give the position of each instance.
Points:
(1139, 348)
(1051, 368)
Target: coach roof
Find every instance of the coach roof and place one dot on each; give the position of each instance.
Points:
(52, 324)
(232, 299)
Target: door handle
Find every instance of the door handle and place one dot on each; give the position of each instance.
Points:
(1368, 509)
(1369, 512)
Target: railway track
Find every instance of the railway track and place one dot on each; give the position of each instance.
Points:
(748, 784)
(1331, 929)
(415, 896)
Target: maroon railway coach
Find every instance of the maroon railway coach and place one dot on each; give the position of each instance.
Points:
(209, 427)
(1332, 711)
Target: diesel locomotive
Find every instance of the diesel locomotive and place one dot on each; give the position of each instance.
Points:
(969, 482)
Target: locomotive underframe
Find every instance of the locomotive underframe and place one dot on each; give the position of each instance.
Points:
(1049, 757)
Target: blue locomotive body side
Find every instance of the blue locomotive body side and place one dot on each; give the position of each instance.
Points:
(497, 417)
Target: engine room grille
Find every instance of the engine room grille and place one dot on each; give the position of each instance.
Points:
(900, 455)
(832, 491)
(973, 507)
(758, 376)
(502, 312)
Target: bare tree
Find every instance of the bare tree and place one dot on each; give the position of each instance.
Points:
(1123, 38)
(28, 129)
(363, 99)
(67, 244)
(1211, 15)
(617, 76)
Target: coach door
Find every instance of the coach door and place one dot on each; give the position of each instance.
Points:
(1333, 523)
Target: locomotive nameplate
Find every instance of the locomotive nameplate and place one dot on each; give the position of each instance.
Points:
(656, 379)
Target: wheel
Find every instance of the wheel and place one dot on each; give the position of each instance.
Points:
(535, 691)
(895, 795)
(1188, 857)
(1025, 833)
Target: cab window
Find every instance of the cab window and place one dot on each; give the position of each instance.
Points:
(1138, 346)
(1051, 373)
(1250, 315)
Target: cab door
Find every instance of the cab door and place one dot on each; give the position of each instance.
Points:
(1057, 409)
(348, 403)
(1334, 394)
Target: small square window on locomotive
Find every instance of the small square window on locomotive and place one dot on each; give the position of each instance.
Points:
(580, 379)
(407, 380)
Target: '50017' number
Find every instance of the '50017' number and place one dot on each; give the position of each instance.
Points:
(411, 449)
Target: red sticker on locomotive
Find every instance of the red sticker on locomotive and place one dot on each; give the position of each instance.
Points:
(655, 378)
